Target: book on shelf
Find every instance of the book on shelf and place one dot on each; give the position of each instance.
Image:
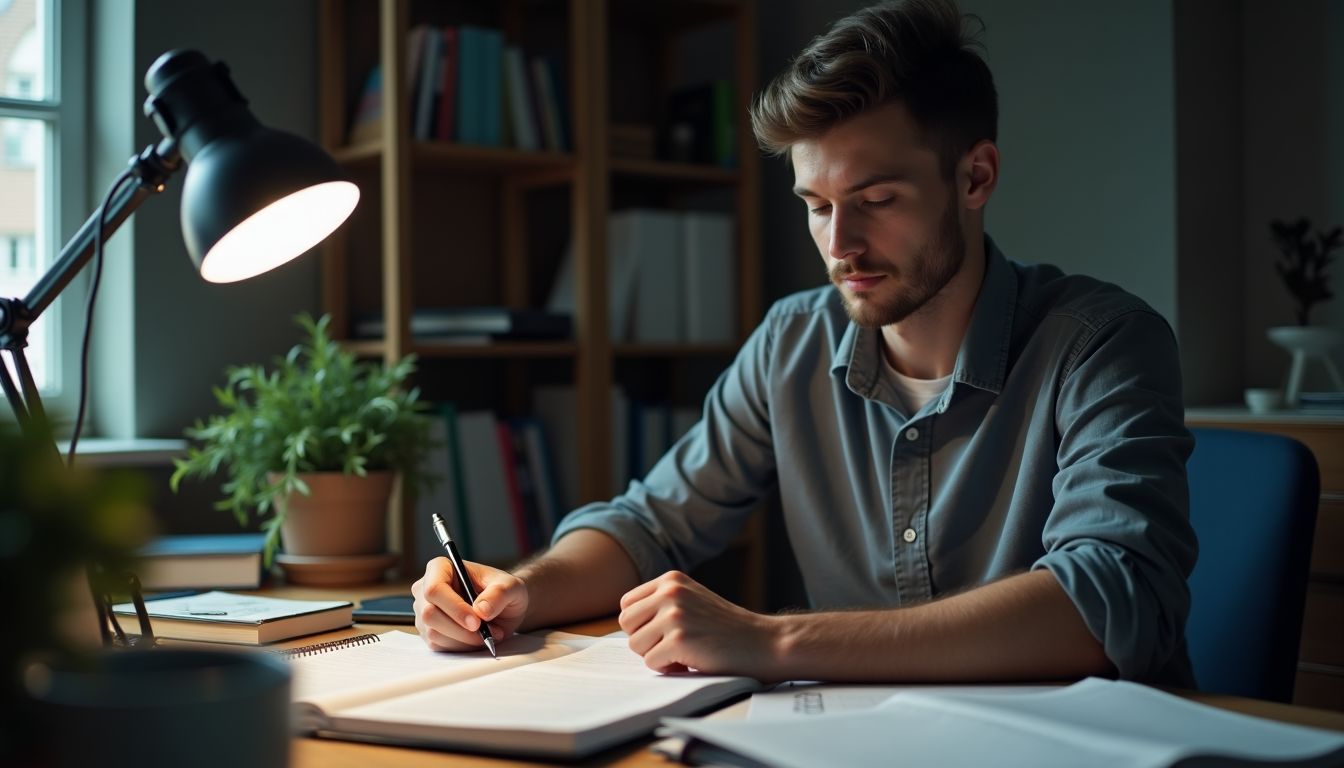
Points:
(545, 502)
(211, 561)
(1094, 722)
(367, 124)
(468, 85)
(551, 97)
(441, 496)
(515, 478)
(225, 617)
(710, 278)
(494, 538)
(522, 124)
(427, 84)
(652, 243)
(671, 277)
(479, 85)
(549, 695)
(492, 73)
(495, 322)
(445, 126)
(654, 429)
(497, 493)
(700, 125)
(556, 407)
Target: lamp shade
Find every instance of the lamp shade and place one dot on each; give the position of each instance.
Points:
(254, 197)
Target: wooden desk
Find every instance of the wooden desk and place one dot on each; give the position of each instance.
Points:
(329, 753)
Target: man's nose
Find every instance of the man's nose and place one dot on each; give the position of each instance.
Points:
(845, 239)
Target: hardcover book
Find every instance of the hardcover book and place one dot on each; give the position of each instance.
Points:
(221, 561)
(224, 617)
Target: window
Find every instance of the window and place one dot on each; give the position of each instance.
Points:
(42, 190)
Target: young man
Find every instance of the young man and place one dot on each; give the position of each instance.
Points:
(981, 464)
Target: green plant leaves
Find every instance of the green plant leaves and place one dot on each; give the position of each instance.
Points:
(318, 409)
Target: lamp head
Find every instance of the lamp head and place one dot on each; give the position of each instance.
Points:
(254, 197)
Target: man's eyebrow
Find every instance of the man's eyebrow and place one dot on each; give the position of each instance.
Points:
(880, 178)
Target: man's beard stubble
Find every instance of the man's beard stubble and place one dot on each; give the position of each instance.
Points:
(932, 268)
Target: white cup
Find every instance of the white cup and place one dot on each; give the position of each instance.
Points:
(1264, 399)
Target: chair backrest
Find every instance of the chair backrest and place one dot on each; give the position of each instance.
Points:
(1253, 500)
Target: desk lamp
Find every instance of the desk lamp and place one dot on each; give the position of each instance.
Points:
(253, 199)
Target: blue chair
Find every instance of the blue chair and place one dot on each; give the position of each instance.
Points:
(1253, 500)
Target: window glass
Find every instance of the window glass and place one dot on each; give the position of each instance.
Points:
(23, 50)
(27, 167)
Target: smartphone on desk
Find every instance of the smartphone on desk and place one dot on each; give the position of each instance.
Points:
(391, 609)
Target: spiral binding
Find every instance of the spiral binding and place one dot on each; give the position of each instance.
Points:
(330, 645)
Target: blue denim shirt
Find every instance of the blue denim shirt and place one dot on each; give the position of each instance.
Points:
(1060, 444)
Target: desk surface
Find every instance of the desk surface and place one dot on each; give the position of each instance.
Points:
(327, 753)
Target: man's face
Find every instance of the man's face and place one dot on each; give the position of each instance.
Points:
(886, 222)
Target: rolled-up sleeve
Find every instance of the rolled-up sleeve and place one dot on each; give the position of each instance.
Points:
(699, 495)
(1118, 537)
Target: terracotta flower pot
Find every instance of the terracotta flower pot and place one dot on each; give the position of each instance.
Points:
(345, 515)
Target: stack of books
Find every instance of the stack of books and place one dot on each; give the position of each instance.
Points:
(467, 84)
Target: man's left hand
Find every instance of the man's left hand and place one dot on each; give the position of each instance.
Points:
(677, 624)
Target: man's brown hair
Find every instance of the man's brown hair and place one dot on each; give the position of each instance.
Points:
(916, 52)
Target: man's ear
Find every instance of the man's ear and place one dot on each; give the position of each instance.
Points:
(978, 174)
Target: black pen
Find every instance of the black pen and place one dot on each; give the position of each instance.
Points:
(441, 531)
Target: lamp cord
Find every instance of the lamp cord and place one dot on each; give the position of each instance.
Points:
(88, 313)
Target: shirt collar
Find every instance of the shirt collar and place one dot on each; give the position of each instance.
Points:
(982, 361)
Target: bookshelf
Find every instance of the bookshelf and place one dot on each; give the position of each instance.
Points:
(454, 224)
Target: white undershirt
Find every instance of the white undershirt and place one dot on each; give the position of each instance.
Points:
(915, 393)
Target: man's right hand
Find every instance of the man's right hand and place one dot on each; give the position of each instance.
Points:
(444, 619)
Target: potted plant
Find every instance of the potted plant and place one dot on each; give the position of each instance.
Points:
(313, 445)
(1304, 257)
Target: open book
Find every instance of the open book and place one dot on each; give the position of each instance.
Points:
(1097, 723)
(548, 695)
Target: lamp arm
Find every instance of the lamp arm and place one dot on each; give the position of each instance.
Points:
(152, 167)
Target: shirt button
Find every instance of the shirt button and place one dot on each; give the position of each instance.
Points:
(909, 535)
(912, 434)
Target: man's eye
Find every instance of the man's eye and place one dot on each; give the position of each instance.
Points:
(820, 209)
(879, 203)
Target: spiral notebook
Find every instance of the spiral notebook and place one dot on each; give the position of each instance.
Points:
(549, 694)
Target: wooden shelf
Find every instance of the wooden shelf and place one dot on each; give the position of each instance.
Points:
(462, 157)
(365, 347)
(675, 350)
(518, 213)
(429, 348)
(672, 16)
(500, 349)
(685, 173)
